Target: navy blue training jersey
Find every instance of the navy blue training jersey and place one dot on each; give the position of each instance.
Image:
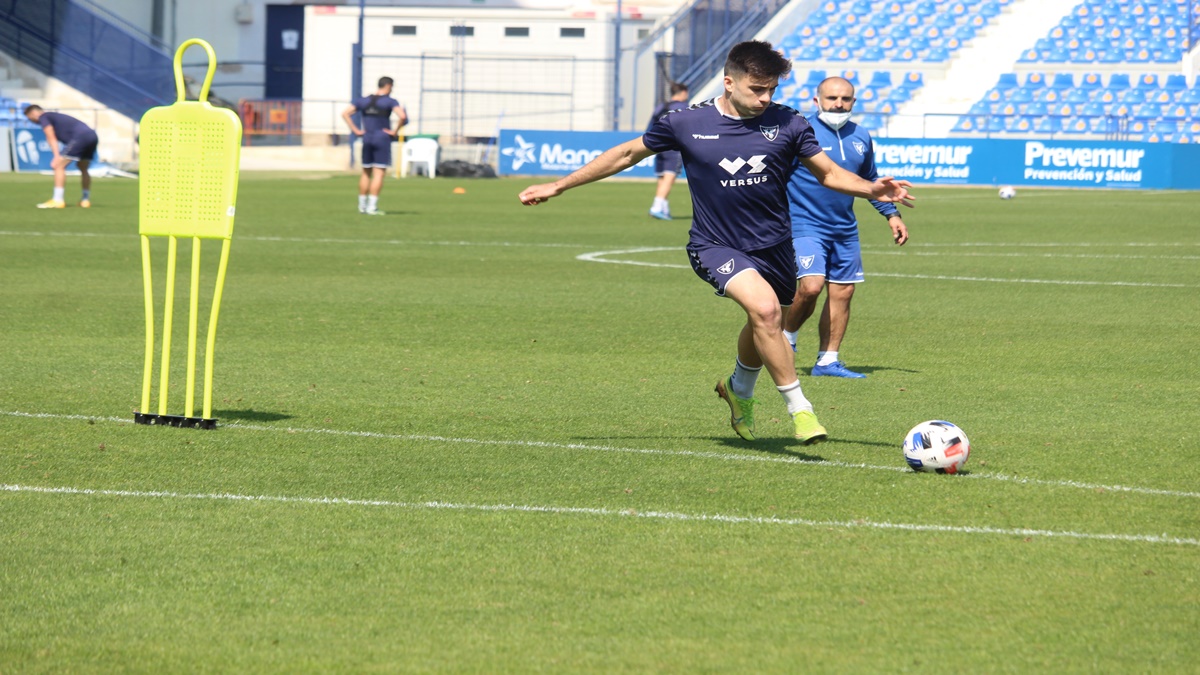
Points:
(66, 128)
(376, 113)
(737, 170)
(820, 212)
(664, 108)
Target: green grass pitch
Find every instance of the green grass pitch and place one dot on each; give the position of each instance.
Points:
(472, 436)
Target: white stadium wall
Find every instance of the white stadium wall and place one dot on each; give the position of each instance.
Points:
(534, 67)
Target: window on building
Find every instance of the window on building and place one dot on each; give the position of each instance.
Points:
(462, 31)
(516, 31)
(404, 30)
(570, 32)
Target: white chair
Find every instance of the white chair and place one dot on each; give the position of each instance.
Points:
(420, 152)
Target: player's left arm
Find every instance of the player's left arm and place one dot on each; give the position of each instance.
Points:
(401, 120)
(834, 177)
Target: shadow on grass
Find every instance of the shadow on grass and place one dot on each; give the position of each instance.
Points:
(865, 370)
(773, 446)
(250, 415)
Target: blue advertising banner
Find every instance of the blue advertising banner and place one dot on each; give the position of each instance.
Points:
(1038, 163)
(31, 151)
(558, 153)
(940, 161)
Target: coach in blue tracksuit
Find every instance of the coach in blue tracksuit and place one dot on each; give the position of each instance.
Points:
(825, 231)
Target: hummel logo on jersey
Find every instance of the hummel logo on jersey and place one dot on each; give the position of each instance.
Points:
(770, 132)
(807, 261)
(756, 164)
(829, 149)
(706, 137)
(727, 268)
(860, 147)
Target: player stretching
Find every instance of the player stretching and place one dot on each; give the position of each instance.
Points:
(377, 137)
(825, 231)
(738, 151)
(80, 141)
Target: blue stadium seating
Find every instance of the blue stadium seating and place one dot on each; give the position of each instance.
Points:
(1121, 31)
(1135, 107)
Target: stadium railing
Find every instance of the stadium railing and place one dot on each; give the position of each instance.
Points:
(67, 40)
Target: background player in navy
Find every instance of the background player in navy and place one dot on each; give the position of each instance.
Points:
(825, 231)
(667, 164)
(79, 146)
(377, 137)
(738, 150)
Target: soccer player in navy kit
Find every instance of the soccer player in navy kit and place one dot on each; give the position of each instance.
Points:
(79, 141)
(667, 164)
(825, 231)
(738, 150)
(377, 137)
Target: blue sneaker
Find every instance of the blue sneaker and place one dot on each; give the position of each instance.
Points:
(661, 215)
(836, 369)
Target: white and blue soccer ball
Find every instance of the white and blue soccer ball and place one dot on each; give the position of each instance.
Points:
(1008, 192)
(936, 446)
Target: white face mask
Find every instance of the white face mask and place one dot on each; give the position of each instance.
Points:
(835, 120)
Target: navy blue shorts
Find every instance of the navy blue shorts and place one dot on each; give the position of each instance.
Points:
(376, 151)
(83, 148)
(717, 264)
(671, 160)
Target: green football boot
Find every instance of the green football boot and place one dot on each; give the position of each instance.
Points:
(808, 429)
(741, 410)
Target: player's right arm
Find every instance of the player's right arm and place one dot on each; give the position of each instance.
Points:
(52, 141)
(611, 161)
(348, 115)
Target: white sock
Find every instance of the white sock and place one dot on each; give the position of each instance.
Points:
(744, 379)
(58, 194)
(362, 202)
(794, 397)
(826, 358)
(661, 204)
(372, 202)
(791, 338)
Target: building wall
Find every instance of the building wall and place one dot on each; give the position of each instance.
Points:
(516, 67)
(554, 82)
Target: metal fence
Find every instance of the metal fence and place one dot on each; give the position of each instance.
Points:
(461, 96)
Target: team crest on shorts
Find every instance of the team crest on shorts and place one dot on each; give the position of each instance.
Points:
(860, 147)
(727, 268)
(770, 133)
(807, 261)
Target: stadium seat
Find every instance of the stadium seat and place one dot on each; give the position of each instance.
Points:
(881, 79)
(1175, 82)
(1118, 81)
(1166, 127)
(1146, 82)
(1063, 81)
(1148, 111)
(1007, 81)
(1048, 125)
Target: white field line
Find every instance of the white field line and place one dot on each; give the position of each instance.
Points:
(602, 257)
(628, 513)
(771, 459)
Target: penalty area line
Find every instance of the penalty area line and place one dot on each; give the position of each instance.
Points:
(674, 516)
(724, 457)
